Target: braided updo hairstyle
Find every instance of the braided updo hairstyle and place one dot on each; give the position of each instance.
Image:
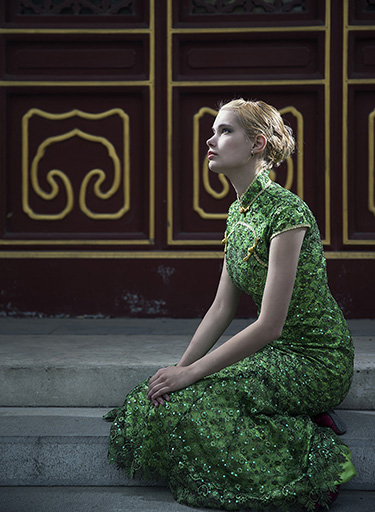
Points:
(257, 117)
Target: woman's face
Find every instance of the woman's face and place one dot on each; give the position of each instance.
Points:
(229, 147)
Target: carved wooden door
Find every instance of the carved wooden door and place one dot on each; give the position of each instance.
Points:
(107, 205)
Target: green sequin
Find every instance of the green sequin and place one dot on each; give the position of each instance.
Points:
(243, 437)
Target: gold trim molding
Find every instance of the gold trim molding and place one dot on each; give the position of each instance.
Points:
(189, 255)
(121, 170)
(371, 163)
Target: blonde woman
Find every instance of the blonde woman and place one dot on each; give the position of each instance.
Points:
(233, 428)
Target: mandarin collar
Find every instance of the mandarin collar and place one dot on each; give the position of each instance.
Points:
(260, 182)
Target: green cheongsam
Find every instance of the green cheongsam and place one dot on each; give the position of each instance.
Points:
(243, 438)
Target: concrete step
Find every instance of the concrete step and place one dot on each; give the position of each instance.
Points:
(135, 499)
(142, 326)
(68, 447)
(64, 363)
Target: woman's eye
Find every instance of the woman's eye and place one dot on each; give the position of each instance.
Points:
(225, 130)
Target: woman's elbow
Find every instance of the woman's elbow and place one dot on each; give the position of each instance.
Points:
(276, 332)
(271, 330)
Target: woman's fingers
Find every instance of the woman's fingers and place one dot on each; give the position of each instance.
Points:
(167, 380)
(158, 384)
(160, 400)
(155, 389)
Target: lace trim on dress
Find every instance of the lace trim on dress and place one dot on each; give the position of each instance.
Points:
(298, 226)
(260, 261)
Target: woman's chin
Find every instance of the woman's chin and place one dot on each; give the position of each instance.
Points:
(214, 168)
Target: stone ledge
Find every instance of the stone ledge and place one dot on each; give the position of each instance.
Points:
(131, 326)
(134, 499)
(99, 370)
(58, 446)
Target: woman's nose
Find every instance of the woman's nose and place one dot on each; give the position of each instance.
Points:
(210, 141)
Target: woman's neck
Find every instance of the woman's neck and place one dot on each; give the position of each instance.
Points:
(241, 181)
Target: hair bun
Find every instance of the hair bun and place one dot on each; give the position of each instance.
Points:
(258, 117)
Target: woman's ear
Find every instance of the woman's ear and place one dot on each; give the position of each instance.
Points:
(260, 142)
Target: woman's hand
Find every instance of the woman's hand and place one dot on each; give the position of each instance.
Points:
(167, 380)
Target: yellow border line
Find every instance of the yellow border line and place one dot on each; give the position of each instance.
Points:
(152, 124)
(205, 255)
(82, 31)
(72, 83)
(371, 181)
(244, 30)
(346, 255)
(169, 127)
(111, 255)
(219, 83)
(134, 241)
(345, 122)
(360, 81)
(327, 117)
(359, 28)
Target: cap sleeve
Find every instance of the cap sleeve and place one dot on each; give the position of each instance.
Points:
(291, 216)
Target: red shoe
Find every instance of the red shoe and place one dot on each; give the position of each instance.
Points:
(333, 495)
(332, 498)
(330, 419)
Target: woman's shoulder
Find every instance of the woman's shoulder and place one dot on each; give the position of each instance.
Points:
(283, 199)
(287, 211)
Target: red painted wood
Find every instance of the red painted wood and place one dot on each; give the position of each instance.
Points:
(35, 70)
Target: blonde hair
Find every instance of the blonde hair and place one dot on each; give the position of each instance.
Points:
(257, 117)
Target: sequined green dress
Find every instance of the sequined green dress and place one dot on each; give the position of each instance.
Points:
(243, 437)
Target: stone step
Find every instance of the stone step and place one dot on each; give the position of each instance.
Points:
(68, 447)
(90, 363)
(131, 499)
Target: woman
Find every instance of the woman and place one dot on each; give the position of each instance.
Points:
(232, 428)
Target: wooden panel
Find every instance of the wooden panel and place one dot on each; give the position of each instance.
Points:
(202, 220)
(85, 84)
(79, 105)
(65, 13)
(245, 56)
(361, 12)
(361, 159)
(104, 193)
(53, 56)
(361, 55)
(214, 13)
(359, 126)
(213, 64)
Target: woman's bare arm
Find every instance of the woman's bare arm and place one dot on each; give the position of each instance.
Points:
(215, 322)
(213, 325)
(284, 253)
